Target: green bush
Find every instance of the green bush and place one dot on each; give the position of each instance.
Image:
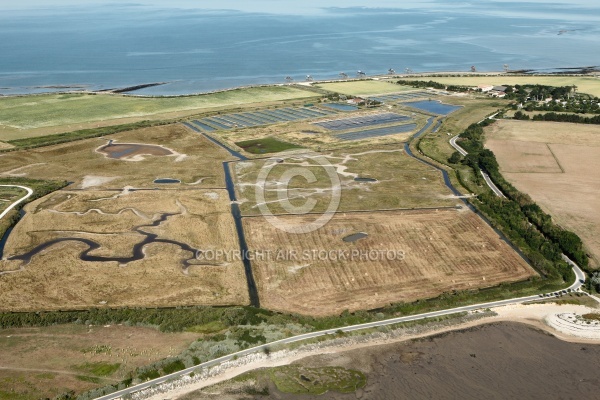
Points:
(149, 375)
(173, 366)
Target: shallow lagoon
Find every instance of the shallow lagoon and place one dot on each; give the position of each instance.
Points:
(433, 106)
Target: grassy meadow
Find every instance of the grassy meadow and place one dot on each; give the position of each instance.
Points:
(68, 111)
(266, 145)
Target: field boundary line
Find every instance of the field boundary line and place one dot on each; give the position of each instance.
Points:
(153, 189)
(555, 158)
(445, 208)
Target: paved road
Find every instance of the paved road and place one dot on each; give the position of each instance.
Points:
(579, 279)
(22, 199)
(486, 177)
(492, 185)
(462, 151)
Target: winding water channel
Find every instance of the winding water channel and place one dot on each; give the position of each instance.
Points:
(138, 248)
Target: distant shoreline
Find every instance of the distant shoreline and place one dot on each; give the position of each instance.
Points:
(130, 89)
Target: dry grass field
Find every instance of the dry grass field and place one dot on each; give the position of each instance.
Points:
(400, 181)
(5, 146)
(557, 164)
(363, 88)
(57, 278)
(443, 250)
(44, 362)
(195, 161)
(533, 157)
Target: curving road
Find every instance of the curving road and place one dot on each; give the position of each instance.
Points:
(16, 203)
(486, 177)
(491, 184)
(579, 280)
(462, 151)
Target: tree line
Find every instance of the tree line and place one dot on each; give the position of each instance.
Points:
(524, 221)
(435, 85)
(554, 117)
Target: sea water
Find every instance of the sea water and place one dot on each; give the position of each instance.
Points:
(196, 49)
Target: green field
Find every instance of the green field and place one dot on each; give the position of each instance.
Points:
(266, 145)
(363, 88)
(316, 381)
(293, 379)
(585, 84)
(98, 368)
(39, 111)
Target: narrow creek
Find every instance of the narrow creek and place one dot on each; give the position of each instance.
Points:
(237, 216)
(4, 238)
(138, 248)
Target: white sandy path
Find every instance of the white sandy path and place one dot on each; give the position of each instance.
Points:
(126, 190)
(532, 314)
(12, 172)
(135, 211)
(199, 181)
(17, 202)
(94, 180)
(339, 167)
(98, 211)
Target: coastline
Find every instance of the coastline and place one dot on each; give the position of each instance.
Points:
(130, 90)
(533, 315)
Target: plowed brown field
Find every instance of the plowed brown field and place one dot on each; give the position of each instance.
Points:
(443, 250)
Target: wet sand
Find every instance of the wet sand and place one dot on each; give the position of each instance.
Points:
(495, 361)
(501, 360)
